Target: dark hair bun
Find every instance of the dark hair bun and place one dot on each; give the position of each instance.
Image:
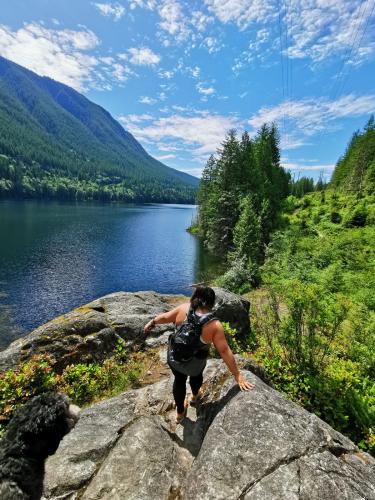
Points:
(203, 296)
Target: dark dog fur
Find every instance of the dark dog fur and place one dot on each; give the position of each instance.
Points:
(34, 432)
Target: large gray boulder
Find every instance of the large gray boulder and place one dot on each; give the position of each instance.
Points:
(254, 445)
(90, 332)
(235, 310)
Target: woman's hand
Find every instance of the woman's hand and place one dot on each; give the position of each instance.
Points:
(149, 326)
(244, 384)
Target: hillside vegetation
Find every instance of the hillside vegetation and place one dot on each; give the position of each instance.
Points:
(309, 270)
(55, 143)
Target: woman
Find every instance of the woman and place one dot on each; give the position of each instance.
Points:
(201, 304)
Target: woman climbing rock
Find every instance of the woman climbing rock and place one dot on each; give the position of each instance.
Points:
(195, 329)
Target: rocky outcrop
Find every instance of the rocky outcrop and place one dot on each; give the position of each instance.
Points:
(89, 333)
(254, 445)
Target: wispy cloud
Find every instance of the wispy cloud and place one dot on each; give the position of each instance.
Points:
(165, 157)
(172, 20)
(143, 56)
(311, 29)
(242, 12)
(200, 20)
(305, 118)
(114, 10)
(204, 89)
(144, 99)
(319, 30)
(146, 4)
(212, 44)
(200, 132)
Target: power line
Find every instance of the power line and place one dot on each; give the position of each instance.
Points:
(352, 52)
(358, 46)
(334, 91)
(341, 78)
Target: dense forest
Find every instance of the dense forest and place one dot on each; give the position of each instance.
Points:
(307, 264)
(55, 143)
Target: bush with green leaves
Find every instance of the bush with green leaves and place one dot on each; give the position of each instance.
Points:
(240, 277)
(315, 332)
(30, 379)
(83, 383)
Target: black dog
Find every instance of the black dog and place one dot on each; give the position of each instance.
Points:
(34, 432)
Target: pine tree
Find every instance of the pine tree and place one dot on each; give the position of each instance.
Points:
(247, 232)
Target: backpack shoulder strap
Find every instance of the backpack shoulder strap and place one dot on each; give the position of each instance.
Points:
(206, 319)
(190, 317)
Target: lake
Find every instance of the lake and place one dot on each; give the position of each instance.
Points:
(56, 256)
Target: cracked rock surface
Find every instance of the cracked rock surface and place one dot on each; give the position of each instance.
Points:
(254, 445)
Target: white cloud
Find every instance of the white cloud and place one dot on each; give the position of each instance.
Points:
(167, 147)
(200, 20)
(143, 56)
(307, 117)
(241, 12)
(201, 132)
(58, 54)
(146, 4)
(130, 119)
(167, 74)
(63, 55)
(319, 30)
(120, 72)
(211, 44)
(313, 29)
(114, 10)
(257, 50)
(202, 89)
(147, 100)
(172, 20)
(165, 157)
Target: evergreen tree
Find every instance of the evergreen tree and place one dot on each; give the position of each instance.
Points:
(247, 232)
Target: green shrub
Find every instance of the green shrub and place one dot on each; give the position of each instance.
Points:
(230, 335)
(17, 386)
(357, 217)
(83, 383)
(240, 277)
(335, 217)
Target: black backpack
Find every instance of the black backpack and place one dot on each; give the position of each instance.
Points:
(185, 342)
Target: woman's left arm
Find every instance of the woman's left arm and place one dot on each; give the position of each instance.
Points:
(168, 317)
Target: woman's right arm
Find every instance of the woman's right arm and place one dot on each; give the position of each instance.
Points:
(221, 344)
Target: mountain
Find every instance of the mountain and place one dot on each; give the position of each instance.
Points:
(54, 142)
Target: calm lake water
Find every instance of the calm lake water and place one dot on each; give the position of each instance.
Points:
(56, 256)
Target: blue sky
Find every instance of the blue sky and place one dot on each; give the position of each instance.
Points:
(179, 74)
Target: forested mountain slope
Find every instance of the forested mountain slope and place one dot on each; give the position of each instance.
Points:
(54, 142)
(355, 170)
